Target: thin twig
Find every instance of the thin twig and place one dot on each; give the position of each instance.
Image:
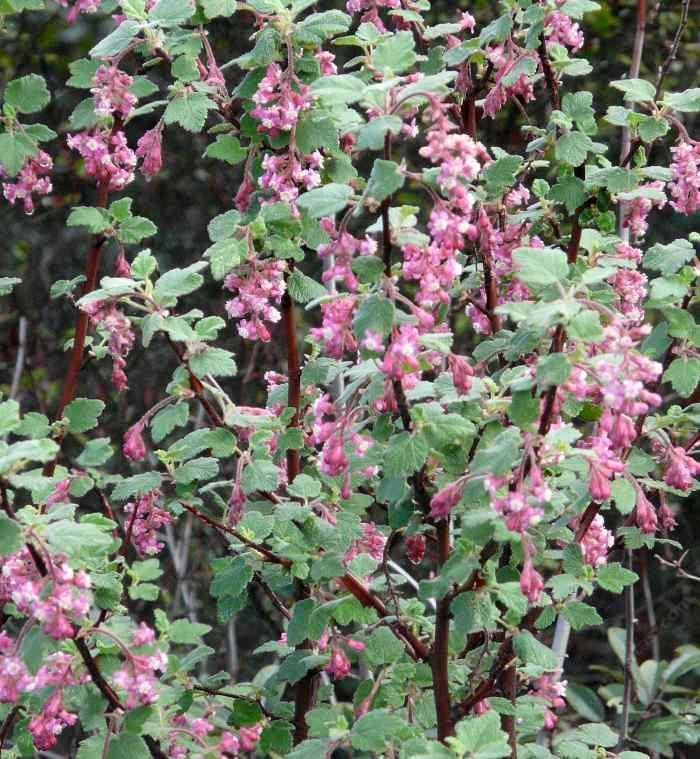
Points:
(21, 355)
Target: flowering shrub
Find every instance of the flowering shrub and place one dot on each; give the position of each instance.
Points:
(491, 421)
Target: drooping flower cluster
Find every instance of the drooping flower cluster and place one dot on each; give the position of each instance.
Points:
(372, 542)
(137, 676)
(258, 286)
(279, 100)
(80, 6)
(107, 316)
(340, 253)
(511, 81)
(33, 179)
(58, 600)
(520, 507)
(596, 542)
(112, 94)
(640, 207)
(370, 10)
(286, 174)
(150, 149)
(560, 29)
(685, 177)
(335, 335)
(145, 518)
(550, 688)
(108, 158)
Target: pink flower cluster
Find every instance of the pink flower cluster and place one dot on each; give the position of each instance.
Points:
(257, 286)
(401, 362)
(370, 10)
(111, 92)
(284, 174)
(339, 665)
(372, 542)
(519, 507)
(145, 518)
(505, 61)
(50, 722)
(58, 601)
(560, 29)
(552, 691)
(596, 542)
(445, 500)
(681, 469)
(108, 158)
(80, 6)
(603, 467)
(105, 314)
(415, 548)
(33, 179)
(150, 149)
(685, 177)
(277, 102)
(137, 677)
(340, 252)
(335, 335)
(638, 209)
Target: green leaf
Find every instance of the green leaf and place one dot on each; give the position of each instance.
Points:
(614, 577)
(386, 178)
(186, 632)
(373, 133)
(636, 90)
(531, 651)
(298, 628)
(15, 149)
(500, 454)
(96, 452)
(117, 41)
(539, 267)
(318, 27)
(82, 414)
(316, 131)
(215, 361)
(482, 737)
(338, 90)
(95, 219)
(260, 475)
(572, 148)
(305, 487)
(165, 421)
(585, 701)
(374, 730)
(474, 612)
(500, 175)
(171, 12)
(624, 495)
(178, 282)
(28, 94)
(205, 468)
(225, 255)
(405, 455)
(684, 374)
(8, 284)
(189, 109)
(127, 746)
(325, 201)
(139, 484)
(136, 228)
(687, 101)
(668, 259)
(571, 191)
(396, 53)
(226, 148)
(579, 615)
(11, 539)
(75, 539)
(376, 314)
(524, 409)
(224, 225)
(302, 289)
(383, 647)
(215, 8)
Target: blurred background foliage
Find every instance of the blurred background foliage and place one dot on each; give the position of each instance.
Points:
(181, 201)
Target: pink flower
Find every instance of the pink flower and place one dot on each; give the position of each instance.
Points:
(531, 582)
(134, 447)
(150, 148)
(339, 665)
(106, 315)
(685, 182)
(277, 103)
(596, 542)
(336, 334)
(552, 690)
(34, 178)
(15, 679)
(681, 469)
(145, 518)
(61, 493)
(325, 61)
(645, 515)
(249, 737)
(46, 726)
(108, 158)
(639, 208)
(462, 373)
(401, 359)
(415, 548)
(442, 503)
(256, 287)
(372, 542)
(137, 677)
(560, 29)
(111, 92)
(229, 744)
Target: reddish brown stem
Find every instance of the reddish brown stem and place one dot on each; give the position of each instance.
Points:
(92, 269)
(549, 76)
(439, 660)
(294, 381)
(491, 296)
